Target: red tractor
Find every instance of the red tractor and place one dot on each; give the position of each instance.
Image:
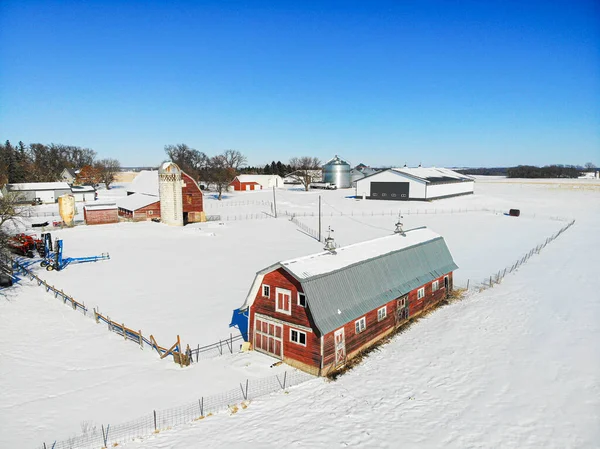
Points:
(24, 244)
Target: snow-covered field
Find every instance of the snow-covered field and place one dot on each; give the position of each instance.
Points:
(509, 367)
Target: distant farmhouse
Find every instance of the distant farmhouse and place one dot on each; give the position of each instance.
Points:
(420, 183)
(318, 311)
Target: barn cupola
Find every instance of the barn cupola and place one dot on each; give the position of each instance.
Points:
(330, 242)
(399, 225)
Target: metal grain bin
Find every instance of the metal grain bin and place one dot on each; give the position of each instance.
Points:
(337, 171)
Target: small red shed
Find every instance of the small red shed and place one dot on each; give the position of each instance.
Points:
(318, 311)
(100, 213)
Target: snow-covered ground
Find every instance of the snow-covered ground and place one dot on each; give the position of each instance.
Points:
(465, 376)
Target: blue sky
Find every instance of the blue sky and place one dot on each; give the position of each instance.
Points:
(385, 83)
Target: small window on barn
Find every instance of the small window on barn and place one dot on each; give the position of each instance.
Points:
(360, 325)
(381, 313)
(435, 286)
(189, 198)
(266, 291)
(150, 212)
(301, 299)
(421, 293)
(298, 337)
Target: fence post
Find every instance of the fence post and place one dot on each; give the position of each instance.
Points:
(490, 281)
(124, 333)
(201, 404)
(468, 283)
(244, 392)
(141, 340)
(284, 379)
(155, 420)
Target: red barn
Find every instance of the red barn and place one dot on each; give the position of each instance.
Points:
(318, 311)
(139, 207)
(256, 182)
(100, 213)
(143, 200)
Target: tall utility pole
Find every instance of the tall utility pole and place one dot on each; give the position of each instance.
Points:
(274, 202)
(319, 218)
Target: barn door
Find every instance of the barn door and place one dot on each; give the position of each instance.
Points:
(340, 347)
(402, 309)
(268, 337)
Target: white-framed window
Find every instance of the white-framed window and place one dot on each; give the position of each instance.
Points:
(360, 325)
(301, 299)
(266, 291)
(150, 212)
(381, 313)
(421, 293)
(283, 301)
(435, 286)
(298, 337)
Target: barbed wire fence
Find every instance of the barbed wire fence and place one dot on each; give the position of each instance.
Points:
(497, 277)
(201, 408)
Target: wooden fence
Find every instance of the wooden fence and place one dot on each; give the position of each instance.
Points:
(128, 334)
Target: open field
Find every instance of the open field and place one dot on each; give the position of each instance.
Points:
(186, 281)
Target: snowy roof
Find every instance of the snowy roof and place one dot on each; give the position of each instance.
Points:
(137, 201)
(359, 278)
(145, 182)
(433, 174)
(324, 262)
(100, 206)
(259, 179)
(76, 189)
(38, 186)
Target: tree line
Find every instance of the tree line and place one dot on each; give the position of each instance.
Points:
(549, 171)
(219, 170)
(37, 162)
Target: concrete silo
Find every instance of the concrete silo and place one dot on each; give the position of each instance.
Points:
(337, 171)
(170, 185)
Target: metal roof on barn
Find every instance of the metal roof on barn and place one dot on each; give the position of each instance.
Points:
(359, 278)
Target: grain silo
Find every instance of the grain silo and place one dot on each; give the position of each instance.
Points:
(337, 171)
(170, 185)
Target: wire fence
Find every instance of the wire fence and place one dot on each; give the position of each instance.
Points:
(221, 204)
(103, 436)
(223, 346)
(497, 277)
(28, 213)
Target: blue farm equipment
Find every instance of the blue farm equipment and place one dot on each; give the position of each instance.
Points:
(58, 263)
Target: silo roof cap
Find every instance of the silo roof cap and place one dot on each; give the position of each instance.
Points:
(169, 167)
(337, 161)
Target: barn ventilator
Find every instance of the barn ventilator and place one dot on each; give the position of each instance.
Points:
(58, 263)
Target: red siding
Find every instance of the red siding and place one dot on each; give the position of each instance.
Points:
(192, 195)
(100, 216)
(237, 185)
(309, 354)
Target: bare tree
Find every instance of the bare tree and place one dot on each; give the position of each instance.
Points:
(190, 160)
(108, 169)
(219, 174)
(234, 159)
(11, 211)
(303, 169)
(589, 165)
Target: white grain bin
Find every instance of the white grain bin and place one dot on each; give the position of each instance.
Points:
(66, 208)
(170, 186)
(337, 171)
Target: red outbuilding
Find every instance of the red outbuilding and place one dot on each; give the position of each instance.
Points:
(100, 213)
(318, 311)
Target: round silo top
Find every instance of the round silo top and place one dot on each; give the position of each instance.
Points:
(169, 168)
(336, 161)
